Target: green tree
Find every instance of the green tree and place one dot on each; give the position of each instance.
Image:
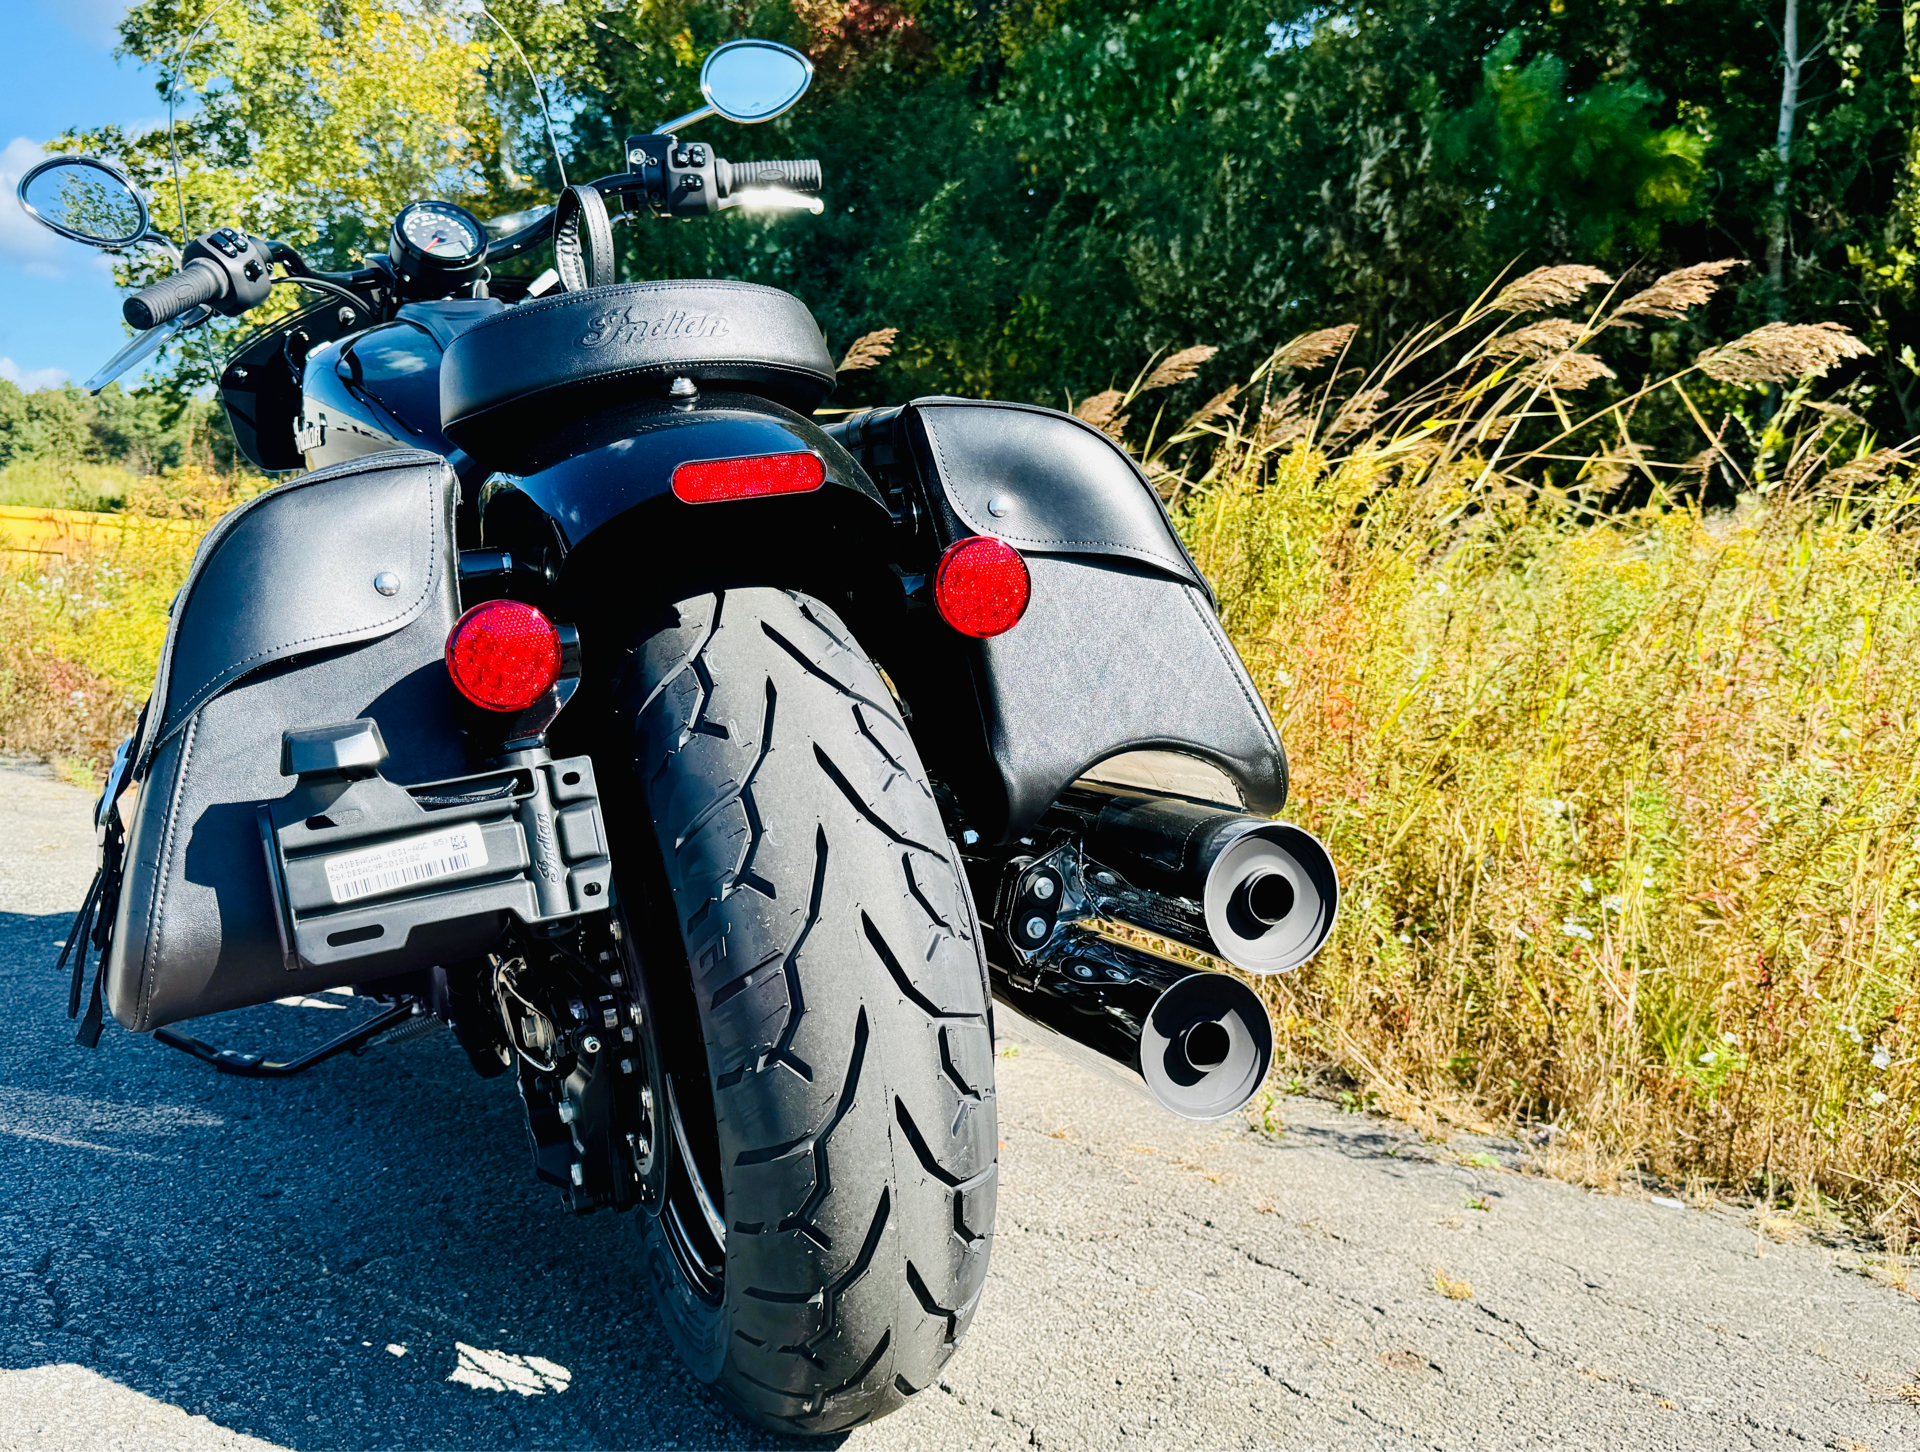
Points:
(1039, 193)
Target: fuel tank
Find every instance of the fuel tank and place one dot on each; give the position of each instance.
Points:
(379, 389)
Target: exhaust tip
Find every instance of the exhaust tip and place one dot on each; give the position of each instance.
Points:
(1206, 1047)
(1271, 897)
(1266, 898)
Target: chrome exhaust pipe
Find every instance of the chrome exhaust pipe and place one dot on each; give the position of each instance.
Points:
(1199, 1044)
(1260, 894)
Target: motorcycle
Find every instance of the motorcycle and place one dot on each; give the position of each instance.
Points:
(720, 773)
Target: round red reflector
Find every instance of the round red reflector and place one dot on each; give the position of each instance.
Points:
(503, 655)
(981, 586)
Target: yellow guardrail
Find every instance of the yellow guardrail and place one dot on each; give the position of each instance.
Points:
(25, 530)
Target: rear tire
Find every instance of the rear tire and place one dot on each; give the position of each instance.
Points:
(838, 1113)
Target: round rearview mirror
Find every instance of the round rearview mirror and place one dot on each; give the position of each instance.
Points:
(85, 200)
(750, 81)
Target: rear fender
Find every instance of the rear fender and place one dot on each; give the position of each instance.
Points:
(595, 516)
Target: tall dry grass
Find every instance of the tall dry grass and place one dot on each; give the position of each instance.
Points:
(1625, 805)
(80, 634)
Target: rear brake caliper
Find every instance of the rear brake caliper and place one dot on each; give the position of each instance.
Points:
(573, 1013)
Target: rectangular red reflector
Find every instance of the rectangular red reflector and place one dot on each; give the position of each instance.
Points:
(709, 481)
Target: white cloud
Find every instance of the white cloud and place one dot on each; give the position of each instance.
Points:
(30, 380)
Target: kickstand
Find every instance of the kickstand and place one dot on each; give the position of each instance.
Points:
(258, 1066)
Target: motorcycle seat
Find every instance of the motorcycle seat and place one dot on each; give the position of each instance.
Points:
(547, 362)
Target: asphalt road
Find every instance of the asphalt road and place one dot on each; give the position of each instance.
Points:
(360, 1258)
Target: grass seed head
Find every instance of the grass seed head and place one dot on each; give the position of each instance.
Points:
(1099, 410)
(1782, 353)
(1568, 371)
(1537, 340)
(1672, 294)
(1310, 350)
(868, 349)
(1548, 287)
(1178, 367)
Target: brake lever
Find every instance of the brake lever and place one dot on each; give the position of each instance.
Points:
(144, 346)
(774, 199)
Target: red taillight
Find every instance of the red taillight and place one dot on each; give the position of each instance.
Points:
(981, 586)
(709, 481)
(503, 655)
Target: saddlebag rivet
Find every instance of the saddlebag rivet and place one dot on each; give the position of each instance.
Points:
(387, 583)
(999, 505)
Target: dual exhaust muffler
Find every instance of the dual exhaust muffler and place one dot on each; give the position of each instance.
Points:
(1258, 894)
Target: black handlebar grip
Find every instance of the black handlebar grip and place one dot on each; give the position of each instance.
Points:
(795, 176)
(163, 301)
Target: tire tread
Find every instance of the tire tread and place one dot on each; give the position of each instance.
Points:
(810, 844)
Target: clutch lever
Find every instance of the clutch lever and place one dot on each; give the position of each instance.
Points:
(144, 346)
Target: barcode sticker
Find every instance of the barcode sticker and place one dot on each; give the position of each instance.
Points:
(354, 875)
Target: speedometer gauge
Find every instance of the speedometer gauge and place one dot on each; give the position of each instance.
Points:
(436, 246)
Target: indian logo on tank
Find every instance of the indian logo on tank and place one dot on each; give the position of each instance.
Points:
(631, 325)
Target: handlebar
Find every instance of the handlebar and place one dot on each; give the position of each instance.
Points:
(232, 272)
(674, 178)
(795, 175)
(224, 268)
(163, 301)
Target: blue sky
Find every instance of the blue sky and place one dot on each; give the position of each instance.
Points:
(59, 312)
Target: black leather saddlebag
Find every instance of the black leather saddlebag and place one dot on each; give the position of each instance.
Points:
(324, 603)
(1120, 657)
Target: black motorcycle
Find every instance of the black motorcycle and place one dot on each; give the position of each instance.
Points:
(711, 769)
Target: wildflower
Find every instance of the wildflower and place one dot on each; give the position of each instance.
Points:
(1881, 1058)
(1586, 886)
(1613, 903)
(1575, 930)
(1877, 1098)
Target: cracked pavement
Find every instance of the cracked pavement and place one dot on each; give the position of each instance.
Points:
(360, 1257)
